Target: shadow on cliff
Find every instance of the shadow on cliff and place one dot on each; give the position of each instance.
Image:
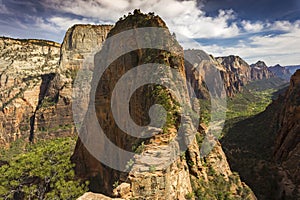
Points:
(46, 79)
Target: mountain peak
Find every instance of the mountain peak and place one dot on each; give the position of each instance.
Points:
(137, 20)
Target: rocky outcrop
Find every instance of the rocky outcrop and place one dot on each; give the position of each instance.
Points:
(148, 177)
(287, 146)
(281, 72)
(26, 68)
(260, 71)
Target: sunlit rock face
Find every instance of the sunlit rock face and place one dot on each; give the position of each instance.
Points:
(26, 68)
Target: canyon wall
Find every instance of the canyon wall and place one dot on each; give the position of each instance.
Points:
(287, 143)
(27, 67)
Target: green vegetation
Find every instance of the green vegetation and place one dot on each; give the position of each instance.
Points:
(47, 102)
(129, 165)
(152, 169)
(190, 195)
(248, 136)
(40, 171)
(139, 149)
(248, 103)
(254, 99)
(56, 128)
(247, 140)
(164, 98)
(116, 184)
(217, 187)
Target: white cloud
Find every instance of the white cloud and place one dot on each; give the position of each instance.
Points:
(63, 23)
(181, 16)
(252, 27)
(285, 25)
(273, 49)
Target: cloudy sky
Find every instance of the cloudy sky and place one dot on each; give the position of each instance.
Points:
(267, 30)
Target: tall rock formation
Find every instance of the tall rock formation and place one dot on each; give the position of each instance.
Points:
(148, 178)
(260, 71)
(77, 50)
(26, 69)
(287, 146)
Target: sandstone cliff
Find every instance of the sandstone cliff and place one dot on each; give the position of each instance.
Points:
(188, 175)
(287, 146)
(77, 50)
(236, 75)
(27, 67)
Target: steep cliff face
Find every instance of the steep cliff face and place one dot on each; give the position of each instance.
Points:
(237, 73)
(234, 71)
(287, 145)
(260, 71)
(80, 43)
(26, 68)
(77, 51)
(149, 178)
(281, 72)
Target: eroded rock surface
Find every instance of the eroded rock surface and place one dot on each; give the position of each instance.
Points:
(287, 146)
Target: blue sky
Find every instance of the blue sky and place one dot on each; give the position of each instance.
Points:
(267, 30)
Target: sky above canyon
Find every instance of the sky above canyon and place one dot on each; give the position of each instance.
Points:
(267, 30)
